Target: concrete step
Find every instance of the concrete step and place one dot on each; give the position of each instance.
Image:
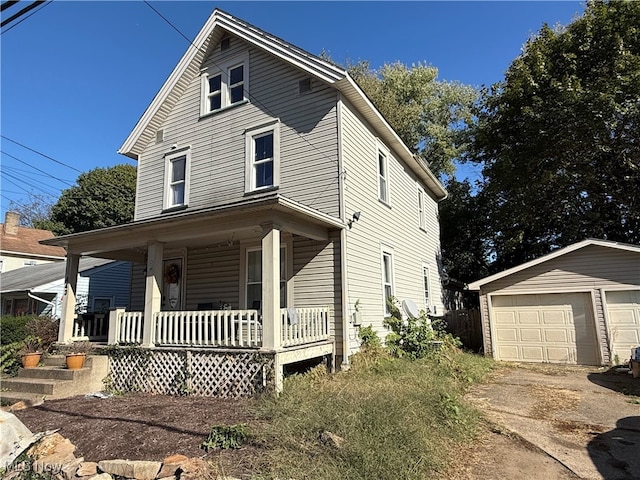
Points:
(55, 381)
(53, 373)
(29, 399)
(61, 361)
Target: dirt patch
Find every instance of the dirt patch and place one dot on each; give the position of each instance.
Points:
(550, 400)
(145, 427)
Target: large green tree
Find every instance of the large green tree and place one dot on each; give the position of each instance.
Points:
(102, 197)
(560, 137)
(425, 112)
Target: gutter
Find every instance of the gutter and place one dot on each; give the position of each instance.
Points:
(53, 305)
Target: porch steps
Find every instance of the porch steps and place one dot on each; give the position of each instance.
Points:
(53, 380)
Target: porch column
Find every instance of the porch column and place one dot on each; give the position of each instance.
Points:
(152, 291)
(270, 304)
(68, 316)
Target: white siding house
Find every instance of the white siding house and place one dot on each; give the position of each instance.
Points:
(272, 196)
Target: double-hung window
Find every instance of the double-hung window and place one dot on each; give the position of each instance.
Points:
(421, 211)
(387, 280)
(427, 292)
(176, 174)
(225, 84)
(262, 146)
(383, 177)
(254, 278)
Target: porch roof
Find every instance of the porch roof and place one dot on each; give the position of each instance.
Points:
(230, 222)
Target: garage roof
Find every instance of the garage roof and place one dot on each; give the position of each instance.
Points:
(550, 256)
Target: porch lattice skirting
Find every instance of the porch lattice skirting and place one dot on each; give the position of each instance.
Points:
(219, 373)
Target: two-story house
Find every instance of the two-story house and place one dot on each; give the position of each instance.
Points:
(273, 202)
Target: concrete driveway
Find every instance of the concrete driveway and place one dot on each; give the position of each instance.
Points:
(586, 418)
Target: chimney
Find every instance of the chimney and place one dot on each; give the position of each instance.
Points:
(11, 220)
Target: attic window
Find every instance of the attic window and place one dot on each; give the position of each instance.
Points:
(225, 84)
(304, 85)
(225, 43)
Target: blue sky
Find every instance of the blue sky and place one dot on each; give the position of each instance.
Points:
(77, 75)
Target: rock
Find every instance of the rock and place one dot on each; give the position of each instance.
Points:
(87, 469)
(50, 444)
(331, 439)
(140, 470)
(102, 476)
(170, 465)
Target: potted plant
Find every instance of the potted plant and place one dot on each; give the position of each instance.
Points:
(31, 352)
(76, 354)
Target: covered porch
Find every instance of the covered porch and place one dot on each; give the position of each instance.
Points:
(263, 277)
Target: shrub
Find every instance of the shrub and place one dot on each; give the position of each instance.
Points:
(224, 437)
(10, 358)
(45, 328)
(368, 337)
(14, 329)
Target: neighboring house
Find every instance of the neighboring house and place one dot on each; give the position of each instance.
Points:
(101, 285)
(20, 246)
(579, 304)
(272, 197)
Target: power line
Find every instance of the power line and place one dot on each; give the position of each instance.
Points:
(22, 170)
(8, 4)
(42, 154)
(36, 168)
(27, 183)
(22, 12)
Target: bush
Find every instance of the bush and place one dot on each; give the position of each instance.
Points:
(45, 328)
(10, 358)
(14, 329)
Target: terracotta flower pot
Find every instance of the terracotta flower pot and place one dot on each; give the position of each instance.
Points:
(75, 361)
(31, 360)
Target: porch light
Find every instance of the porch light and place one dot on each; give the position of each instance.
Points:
(355, 218)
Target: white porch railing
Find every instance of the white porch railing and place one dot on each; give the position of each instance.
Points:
(209, 328)
(304, 325)
(220, 328)
(94, 327)
(125, 327)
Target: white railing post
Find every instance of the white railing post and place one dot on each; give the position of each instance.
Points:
(271, 318)
(114, 325)
(67, 319)
(153, 293)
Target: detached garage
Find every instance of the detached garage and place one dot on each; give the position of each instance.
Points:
(577, 305)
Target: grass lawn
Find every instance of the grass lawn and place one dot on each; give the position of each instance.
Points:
(399, 418)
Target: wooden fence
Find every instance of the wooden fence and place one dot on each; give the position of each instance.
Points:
(466, 325)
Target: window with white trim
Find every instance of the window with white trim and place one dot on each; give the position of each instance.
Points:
(383, 177)
(387, 280)
(253, 290)
(176, 174)
(427, 289)
(421, 210)
(262, 157)
(225, 84)
(102, 304)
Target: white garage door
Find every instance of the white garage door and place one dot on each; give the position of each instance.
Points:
(555, 328)
(624, 323)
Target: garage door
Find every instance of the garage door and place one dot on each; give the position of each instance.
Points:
(555, 328)
(624, 323)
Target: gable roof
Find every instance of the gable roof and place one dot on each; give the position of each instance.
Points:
(550, 256)
(26, 242)
(189, 67)
(29, 278)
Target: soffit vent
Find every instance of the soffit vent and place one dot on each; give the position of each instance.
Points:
(304, 85)
(160, 136)
(225, 43)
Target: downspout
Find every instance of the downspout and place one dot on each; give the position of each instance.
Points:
(53, 305)
(343, 244)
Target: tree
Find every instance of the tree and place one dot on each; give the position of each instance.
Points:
(102, 197)
(463, 233)
(425, 113)
(559, 137)
(33, 211)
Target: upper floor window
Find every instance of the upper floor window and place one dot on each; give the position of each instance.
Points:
(176, 173)
(421, 210)
(262, 157)
(383, 177)
(224, 85)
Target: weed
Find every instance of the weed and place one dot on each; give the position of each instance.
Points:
(224, 437)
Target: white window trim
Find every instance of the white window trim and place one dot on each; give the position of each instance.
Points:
(286, 244)
(223, 69)
(386, 251)
(427, 300)
(168, 158)
(382, 150)
(250, 135)
(422, 211)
